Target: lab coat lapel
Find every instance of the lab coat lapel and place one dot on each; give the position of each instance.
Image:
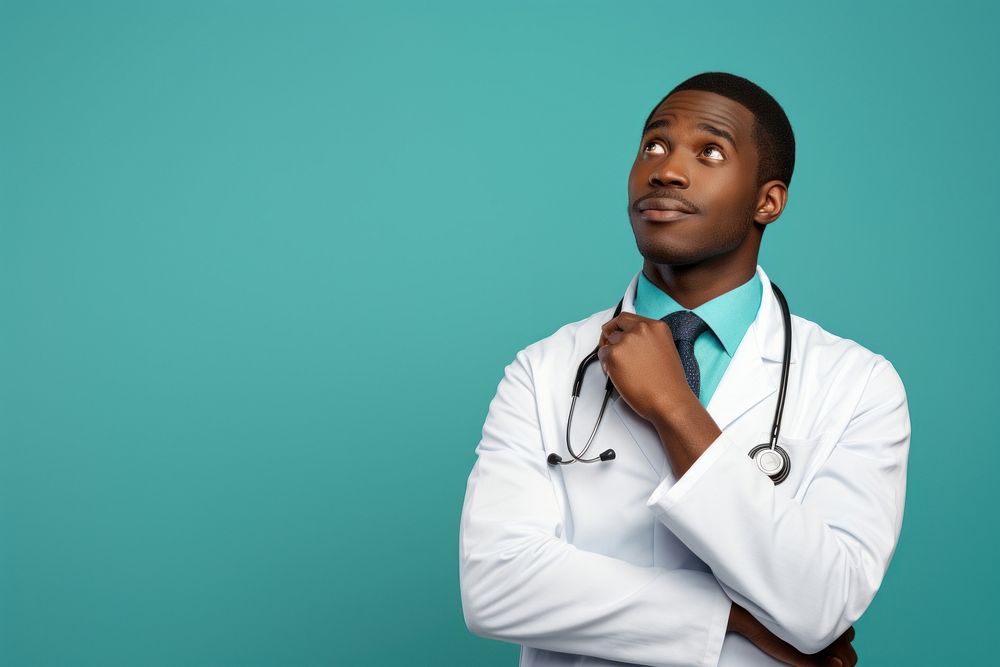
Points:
(748, 380)
(754, 372)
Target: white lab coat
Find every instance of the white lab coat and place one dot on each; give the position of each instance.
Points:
(619, 562)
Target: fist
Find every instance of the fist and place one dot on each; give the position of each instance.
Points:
(639, 356)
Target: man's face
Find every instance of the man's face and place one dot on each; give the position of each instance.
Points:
(682, 161)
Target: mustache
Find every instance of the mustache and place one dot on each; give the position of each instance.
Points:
(663, 194)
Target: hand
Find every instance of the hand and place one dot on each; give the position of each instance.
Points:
(741, 621)
(639, 356)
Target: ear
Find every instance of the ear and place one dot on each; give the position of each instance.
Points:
(771, 199)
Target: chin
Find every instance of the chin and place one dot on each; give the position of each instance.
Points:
(671, 255)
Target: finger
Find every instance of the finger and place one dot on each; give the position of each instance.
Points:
(610, 325)
(602, 355)
(614, 337)
(617, 325)
(840, 642)
(624, 322)
(842, 650)
(830, 656)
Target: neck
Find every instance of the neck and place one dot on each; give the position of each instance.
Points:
(691, 285)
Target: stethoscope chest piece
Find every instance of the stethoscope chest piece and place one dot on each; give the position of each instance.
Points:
(772, 461)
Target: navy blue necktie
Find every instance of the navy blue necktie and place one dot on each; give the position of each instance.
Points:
(686, 327)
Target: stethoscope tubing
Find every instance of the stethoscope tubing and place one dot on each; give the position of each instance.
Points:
(776, 469)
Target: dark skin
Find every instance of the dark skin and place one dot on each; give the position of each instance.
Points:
(695, 256)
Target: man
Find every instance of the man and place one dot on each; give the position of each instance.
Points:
(675, 548)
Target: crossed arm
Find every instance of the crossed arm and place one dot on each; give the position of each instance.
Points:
(522, 582)
(803, 571)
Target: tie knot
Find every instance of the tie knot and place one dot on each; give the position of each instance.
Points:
(685, 325)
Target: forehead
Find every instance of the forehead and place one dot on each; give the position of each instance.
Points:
(690, 107)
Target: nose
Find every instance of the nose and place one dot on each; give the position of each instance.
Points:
(670, 171)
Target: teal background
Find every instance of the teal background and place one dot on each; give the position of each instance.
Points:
(262, 266)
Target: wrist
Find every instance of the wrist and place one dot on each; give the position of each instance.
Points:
(686, 430)
(671, 410)
(737, 620)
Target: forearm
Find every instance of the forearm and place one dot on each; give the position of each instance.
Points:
(779, 559)
(542, 592)
(743, 623)
(805, 566)
(686, 431)
(685, 428)
(736, 620)
(521, 581)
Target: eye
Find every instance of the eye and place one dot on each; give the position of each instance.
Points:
(715, 148)
(648, 144)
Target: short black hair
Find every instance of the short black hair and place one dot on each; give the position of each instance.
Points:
(772, 133)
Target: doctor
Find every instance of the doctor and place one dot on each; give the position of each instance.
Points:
(677, 549)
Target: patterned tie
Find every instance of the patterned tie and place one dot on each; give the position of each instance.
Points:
(686, 327)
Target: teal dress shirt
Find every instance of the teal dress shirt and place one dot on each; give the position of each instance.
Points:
(728, 317)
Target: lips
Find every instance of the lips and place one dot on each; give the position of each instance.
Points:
(663, 204)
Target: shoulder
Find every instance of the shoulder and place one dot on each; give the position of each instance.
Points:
(570, 343)
(836, 360)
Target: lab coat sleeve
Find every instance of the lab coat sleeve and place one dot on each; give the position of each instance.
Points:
(522, 582)
(805, 568)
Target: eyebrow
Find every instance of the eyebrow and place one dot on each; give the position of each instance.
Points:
(711, 129)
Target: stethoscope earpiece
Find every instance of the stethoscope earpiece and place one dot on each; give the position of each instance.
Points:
(606, 455)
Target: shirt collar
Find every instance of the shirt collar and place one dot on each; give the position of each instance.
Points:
(729, 315)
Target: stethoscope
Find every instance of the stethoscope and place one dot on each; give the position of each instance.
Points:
(771, 459)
